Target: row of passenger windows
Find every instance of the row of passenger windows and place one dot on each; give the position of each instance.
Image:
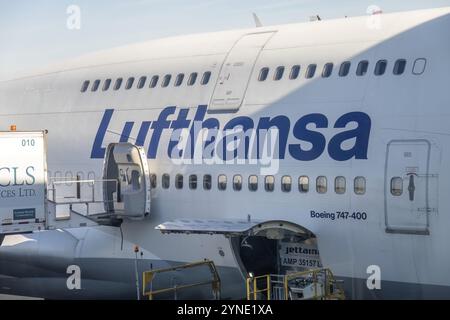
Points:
(142, 82)
(344, 69)
(340, 184)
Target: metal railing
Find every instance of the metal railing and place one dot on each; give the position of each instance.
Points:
(280, 287)
(79, 192)
(149, 277)
(253, 292)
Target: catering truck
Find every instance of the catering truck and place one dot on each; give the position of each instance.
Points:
(23, 181)
(31, 201)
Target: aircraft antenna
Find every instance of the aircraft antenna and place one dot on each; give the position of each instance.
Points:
(258, 23)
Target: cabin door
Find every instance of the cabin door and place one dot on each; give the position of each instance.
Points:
(407, 187)
(126, 187)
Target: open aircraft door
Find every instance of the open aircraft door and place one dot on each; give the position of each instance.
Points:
(228, 227)
(126, 175)
(258, 246)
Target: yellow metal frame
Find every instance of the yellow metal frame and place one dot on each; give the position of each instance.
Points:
(148, 277)
(255, 290)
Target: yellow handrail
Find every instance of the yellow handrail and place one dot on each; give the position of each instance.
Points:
(255, 290)
(148, 277)
(313, 273)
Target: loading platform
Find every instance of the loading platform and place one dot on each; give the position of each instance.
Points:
(314, 284)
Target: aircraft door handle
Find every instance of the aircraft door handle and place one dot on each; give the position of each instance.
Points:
(411, 187)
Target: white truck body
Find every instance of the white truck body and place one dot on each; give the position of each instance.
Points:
(23, 181)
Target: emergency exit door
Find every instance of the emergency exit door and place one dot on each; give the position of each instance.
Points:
(236, 71)
(407, 187)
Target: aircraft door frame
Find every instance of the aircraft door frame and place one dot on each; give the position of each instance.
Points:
(130, 168)
(407, 211)
(236, 71)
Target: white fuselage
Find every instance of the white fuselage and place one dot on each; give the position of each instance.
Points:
(401, 130)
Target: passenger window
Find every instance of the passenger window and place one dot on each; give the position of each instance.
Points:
(192, 79)
(179, 181)
(396, 186)
(340, 185)
(141, 82)
(253, 183)
(207, 182)
(321, 184)
(344, 69)
(85, 86)
(165, 181)
(154, 81)
(360, 185)
(363, 66)
(193, 182)
(399, 66)
(295, 71)
(129, 84)
(278, 73)
(263, 74)
(222, 182)
(237, 182)
(153, 181)
(166, 80)
(286, 184)
(419, 66)
(303, 184)
(311, 71)
(327, 70)
(106, 84)
(95, 85)
(269, 183)
(380, 67)
(179, 80)
(118, 84)
(205, 78)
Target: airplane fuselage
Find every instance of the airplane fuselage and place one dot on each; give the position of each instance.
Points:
(352, 137)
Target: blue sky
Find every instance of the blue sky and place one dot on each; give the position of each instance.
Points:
(34, 32)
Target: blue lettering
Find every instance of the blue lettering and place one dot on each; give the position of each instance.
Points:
(213, 125)
(126, 131)
(282, 124)
(198, 119)
(143, 131)
(360, 134)
(345, 145)
(315, 138)
(237, 138)
(180, 123)
(158, 126)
